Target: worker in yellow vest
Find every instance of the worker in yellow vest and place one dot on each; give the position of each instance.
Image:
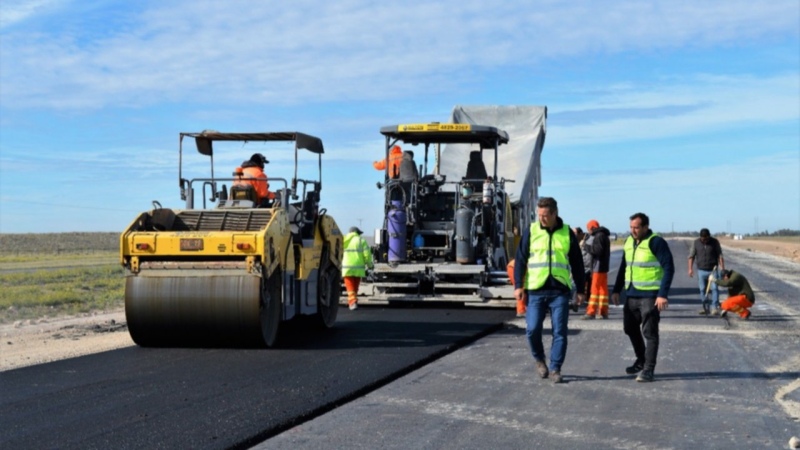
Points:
(646, 272)
(357, 258)
(546, 255)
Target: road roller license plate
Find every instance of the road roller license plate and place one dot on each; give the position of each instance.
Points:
(191, 244)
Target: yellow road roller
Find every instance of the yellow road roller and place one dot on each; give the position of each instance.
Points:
(232, 266)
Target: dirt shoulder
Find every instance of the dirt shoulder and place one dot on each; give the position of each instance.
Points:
(30, 342)
(39, 341)
(789, 249)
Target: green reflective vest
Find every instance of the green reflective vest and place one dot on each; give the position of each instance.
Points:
(643, 269)
(357, 256)
(549, 255)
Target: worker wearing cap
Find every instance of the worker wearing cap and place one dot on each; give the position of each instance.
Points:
(599, 247)
(395, 158)
(357, 258)
(252, 173)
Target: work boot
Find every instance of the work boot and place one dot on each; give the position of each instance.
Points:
(541, 367)
(556, 377)
(353, 306)
(645, 377)
(715, 312)
(604, 316)
(635, 368)
(703, 312)
(587, 317)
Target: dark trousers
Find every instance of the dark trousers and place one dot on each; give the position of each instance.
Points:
(642, 312)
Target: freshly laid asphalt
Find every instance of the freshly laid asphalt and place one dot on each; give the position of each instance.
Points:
(217, 398)
(720, 383)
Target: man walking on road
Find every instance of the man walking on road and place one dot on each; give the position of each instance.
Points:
(707, 252)
(740, 294)
(599, 246)
(646, 272)
(545, 256)
(357, 257)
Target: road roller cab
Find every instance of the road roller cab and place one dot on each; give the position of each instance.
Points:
(228, 268)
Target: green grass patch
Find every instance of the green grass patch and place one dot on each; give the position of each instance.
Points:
(57, 292)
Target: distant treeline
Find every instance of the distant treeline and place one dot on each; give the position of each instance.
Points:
(779, 233)
(76, 242)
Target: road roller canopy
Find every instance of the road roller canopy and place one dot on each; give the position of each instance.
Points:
(205, 138)
(445, 133)
(204, 141)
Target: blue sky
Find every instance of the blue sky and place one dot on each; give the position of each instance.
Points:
(688, 111)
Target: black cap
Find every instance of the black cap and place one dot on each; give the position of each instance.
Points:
(259, 159)
(356, 230)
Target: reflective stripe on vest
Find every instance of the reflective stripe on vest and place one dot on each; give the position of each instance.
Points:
(548, 256)
(354, 261)
(643, 269)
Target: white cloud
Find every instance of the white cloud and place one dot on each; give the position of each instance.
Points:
(305, 51)
(692, 105)
(15, 11)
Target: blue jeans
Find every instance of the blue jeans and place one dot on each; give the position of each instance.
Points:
(538, 305)
(702, 282)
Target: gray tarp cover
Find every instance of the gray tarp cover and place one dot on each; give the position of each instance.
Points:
(520, 159)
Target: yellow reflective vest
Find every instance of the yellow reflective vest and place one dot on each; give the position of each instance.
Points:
(549, 255)
(357, 256)
(642, 267)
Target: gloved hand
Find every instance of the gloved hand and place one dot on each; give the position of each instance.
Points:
(712, 278)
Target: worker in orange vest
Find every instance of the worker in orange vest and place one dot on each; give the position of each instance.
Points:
(252, 172)
(522, 304)
(395, 157)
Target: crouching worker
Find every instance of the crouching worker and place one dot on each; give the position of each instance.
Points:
(357, 258)
(740, 295)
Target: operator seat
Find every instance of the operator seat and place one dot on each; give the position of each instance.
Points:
(408, 168)
(476, 170)
(475, 167)
(244, 192)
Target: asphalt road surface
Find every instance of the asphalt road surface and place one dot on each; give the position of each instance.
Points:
(386, 378)
(720, 384)
(224, 398)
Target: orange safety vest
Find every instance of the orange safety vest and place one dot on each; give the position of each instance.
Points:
(255, 177)
(395, 157)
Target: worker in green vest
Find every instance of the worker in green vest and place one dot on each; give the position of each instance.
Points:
(551, 251)
(646, 272)
(357, 258)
